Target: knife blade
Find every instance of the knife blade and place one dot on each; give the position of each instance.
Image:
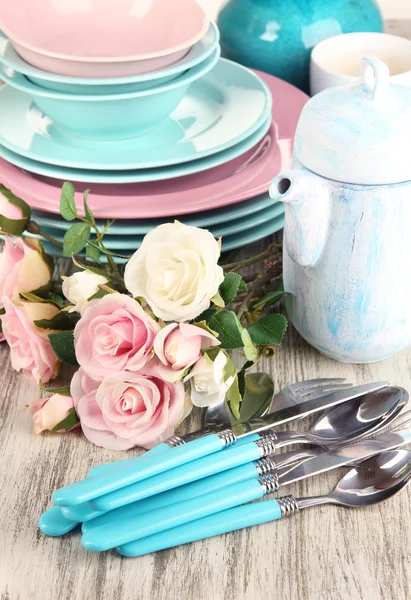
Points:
(305, 409)
(346, 455)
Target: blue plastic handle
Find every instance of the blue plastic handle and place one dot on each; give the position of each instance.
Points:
(80, 512)
(203, 467)
(53, 523)
(222, 522)
(114, 534)
(185, 492)
(157, 450)
(119, 463)
(87, 489)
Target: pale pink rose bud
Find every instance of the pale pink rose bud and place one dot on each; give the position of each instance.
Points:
(178, 347)
(48, 412)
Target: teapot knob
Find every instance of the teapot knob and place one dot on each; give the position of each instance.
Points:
(374, 77)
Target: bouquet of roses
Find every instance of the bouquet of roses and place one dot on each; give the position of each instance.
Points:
(150, 339)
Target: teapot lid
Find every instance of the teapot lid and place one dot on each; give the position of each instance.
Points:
(358, 133)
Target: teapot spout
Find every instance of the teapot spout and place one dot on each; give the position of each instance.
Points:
(307, 214)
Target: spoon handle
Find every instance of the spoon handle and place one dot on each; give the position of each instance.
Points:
(216, 524)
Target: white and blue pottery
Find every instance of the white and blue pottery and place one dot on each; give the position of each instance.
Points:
(116, 85)
(205, 219)
(119, 240)
(347, 241)
(219, 110)
(277, 36)
(110, 117)
(230, 242)
(139, 175)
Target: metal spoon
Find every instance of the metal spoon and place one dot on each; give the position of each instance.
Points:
(356, 419)
(373, 481)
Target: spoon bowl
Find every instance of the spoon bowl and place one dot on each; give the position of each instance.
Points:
(360, 416)
(374, 480)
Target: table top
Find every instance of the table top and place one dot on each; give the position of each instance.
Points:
(324, 553)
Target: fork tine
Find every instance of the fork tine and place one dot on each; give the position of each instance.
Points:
(320, 391)
(301, 385)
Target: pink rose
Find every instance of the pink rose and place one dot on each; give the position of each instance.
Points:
(22, 267)
(48, 412)
(9, 210)
(178, 347)
(127, 409)
(30, 347)
(114, 334)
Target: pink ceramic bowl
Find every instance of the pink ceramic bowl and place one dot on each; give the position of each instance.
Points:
(102, 38)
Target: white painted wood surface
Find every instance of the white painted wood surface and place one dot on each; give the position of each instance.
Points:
(325, 553)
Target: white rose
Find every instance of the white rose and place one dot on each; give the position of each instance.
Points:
(176, 271)
(80, 287)
(208, 384)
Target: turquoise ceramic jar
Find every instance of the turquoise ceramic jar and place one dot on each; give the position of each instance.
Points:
(277, 36)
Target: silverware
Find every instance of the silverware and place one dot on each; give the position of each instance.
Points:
(353, 420)
(111, 534)
(258, 399)
(202, 447)
(373, 481)
(203, 467)
(345, 455)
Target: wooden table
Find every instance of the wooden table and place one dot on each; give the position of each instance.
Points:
(326, 553)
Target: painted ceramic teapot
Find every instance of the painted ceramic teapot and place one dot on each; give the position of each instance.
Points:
(347, 238)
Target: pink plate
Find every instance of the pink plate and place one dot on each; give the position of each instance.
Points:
(237, 180)
(102, 38)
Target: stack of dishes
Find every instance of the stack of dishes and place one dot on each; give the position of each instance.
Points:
(147, 116)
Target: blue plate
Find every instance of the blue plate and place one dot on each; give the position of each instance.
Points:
(80, 85)
(141, 226)
(231, 242)
(122, 241)
(220, 110)
(87, 176)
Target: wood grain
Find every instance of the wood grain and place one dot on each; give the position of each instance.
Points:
(325, 553)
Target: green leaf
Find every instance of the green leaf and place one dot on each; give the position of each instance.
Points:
(228, 327)
(100, 293)
(63, 391)
(76, 238)
(93, 253)
(206, 315)
(43, 291)
(250, 350)
(68, 208)
(57, 300)
(62, 321)
(258, 397)
(241, 376)
(229, 287)
(271, 298)
(31, 297)
(218, 301)
(108, 252)
(243, 286)
(269, 330)
(68, 423)
(87, 212)
(95, 270)
(14, 226)
(63, 345)
(234, 399)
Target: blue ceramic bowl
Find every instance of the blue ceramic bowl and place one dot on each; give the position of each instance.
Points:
(114, 116)
(119, 85)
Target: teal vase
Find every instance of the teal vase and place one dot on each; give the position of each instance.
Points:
(277, 36)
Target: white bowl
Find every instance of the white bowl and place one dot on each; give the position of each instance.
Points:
(336, 60)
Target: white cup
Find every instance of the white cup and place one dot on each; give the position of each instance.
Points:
(336, 60)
